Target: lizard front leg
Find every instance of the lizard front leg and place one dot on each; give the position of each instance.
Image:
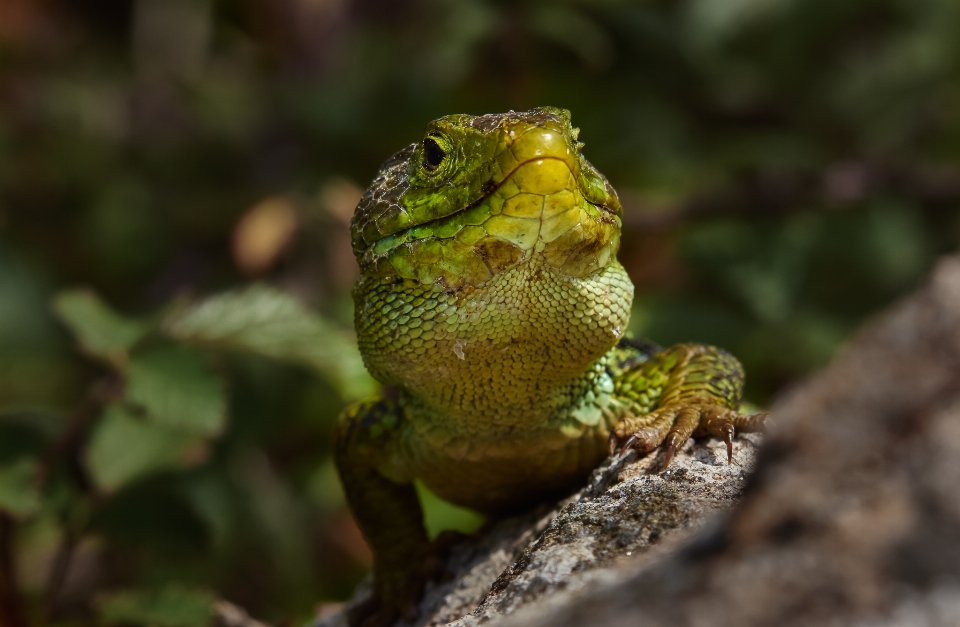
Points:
(687, 389)
(388, 513)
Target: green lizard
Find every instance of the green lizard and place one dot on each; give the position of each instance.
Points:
(493, 308)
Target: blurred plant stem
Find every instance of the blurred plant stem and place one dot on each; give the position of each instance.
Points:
(58, 571)
(101, 392)
(11, 600)
(66, 449)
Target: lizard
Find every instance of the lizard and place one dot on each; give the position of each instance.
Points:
(492, 308)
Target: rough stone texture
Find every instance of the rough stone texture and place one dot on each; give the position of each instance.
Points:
(628, 510)
(853, 515)
(851, 518)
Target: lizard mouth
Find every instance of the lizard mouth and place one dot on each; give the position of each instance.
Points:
(538, 199)
(492, 186)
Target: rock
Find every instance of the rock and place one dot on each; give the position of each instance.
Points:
(628, 510)
(852, 516)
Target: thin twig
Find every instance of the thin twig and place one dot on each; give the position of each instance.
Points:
(12, 612)
(67, 449)
(100, 393)
(58, 572)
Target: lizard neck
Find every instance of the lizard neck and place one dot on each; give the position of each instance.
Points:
(506, 356)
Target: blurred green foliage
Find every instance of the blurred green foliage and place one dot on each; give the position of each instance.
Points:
(786, 167)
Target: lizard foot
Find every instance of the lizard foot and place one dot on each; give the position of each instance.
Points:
(398, 595)
(437, 568)
(671, 426)
(394, 598)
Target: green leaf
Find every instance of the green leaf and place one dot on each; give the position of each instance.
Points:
(170, 607)
(177, 390)
(19, 495)
(270, 322)
(101, 331)
(124, 447)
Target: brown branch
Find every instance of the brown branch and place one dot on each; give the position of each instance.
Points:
(58, 572)
(67, 447)
(100, 393)
(12, 612)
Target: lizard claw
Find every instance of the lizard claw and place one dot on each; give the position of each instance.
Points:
(631, 442)
(727, 435)
(673, 441)
(671, 450)
(671, 425)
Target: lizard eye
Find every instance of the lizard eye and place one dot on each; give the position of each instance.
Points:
(433, 154)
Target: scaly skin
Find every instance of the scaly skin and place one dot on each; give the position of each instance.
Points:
(492, 306)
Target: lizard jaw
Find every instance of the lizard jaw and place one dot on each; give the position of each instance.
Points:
(541, 209)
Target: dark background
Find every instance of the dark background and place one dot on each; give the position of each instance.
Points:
(786, 168)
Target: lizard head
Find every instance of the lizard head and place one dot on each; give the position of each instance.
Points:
(479, 195)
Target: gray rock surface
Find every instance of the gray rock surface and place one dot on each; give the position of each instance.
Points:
(628, 510)
(852, 516)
